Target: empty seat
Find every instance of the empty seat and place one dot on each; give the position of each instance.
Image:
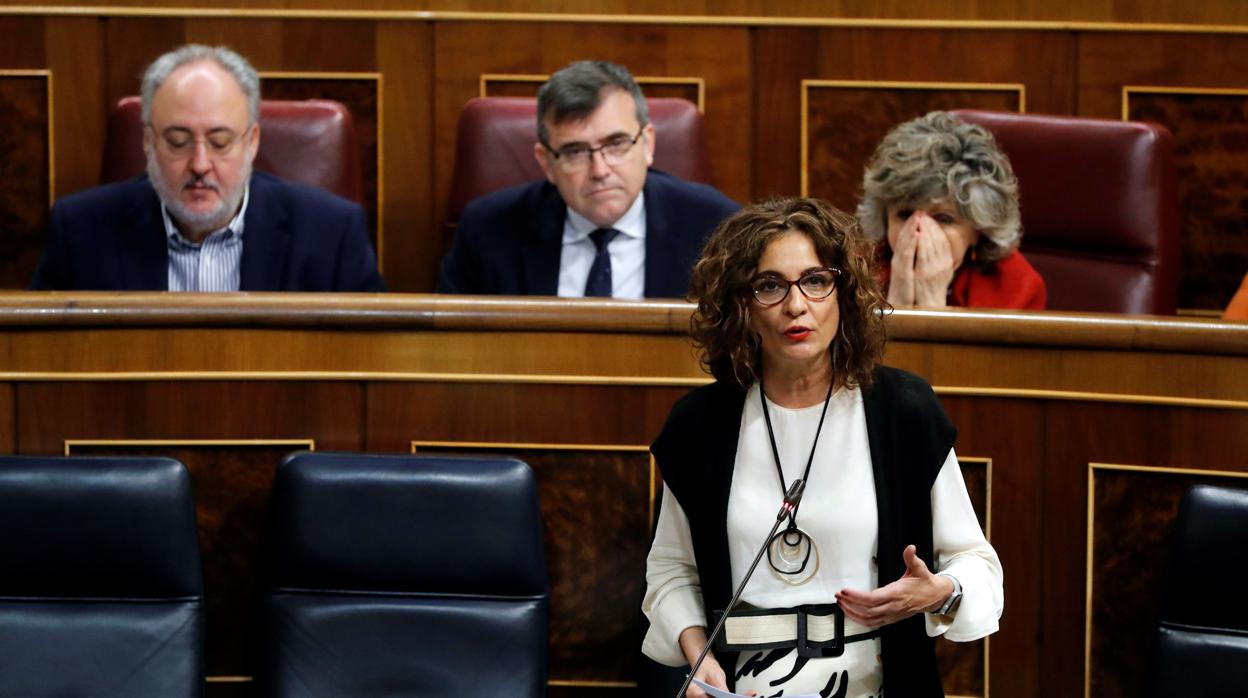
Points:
(101, 590)
(1202, 634)
(405, 576)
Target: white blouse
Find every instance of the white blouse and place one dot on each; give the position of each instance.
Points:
(837, 510)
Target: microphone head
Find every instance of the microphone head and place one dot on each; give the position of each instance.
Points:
(794, 495)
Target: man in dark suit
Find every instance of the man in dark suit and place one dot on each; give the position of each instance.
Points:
(200, 220)
(603, 223)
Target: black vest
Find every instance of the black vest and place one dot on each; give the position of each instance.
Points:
(910, 437)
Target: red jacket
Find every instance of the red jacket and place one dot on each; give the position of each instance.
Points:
(1012, 284)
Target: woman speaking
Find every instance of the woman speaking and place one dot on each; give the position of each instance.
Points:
(883, 552)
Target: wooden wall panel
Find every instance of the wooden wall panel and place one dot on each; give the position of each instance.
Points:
(76, 57)
(1211, 157)
(25, 170)
(1216, 12)
(8, 419)
(1013, 441)
(413, 243)
(783, 57)
(51, 413)
(844, 121)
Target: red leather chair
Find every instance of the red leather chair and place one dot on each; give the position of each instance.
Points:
(494, 145)
(310, 141)
(1100, 208)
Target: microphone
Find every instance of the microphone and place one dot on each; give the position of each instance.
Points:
(791, 500)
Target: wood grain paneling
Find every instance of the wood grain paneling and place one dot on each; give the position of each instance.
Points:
(413, 241)
(1211, 156)
(25, 164)
(79, 67)
(8, 419)
(1133, 514)
(49, 414)
(783, 57)
(1159, 11)
(844, 120)
(1013, 440)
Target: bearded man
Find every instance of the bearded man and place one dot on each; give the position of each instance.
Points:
(201, 219)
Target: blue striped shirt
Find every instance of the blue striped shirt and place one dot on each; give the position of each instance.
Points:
(210, 265)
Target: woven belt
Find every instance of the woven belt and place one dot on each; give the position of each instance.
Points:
(816, 631)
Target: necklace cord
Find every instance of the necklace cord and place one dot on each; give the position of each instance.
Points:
(775, 451)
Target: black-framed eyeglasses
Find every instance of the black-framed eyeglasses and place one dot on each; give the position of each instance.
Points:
(576, 157)
(816, 285)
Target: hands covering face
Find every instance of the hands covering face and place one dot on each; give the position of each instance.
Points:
(928, 247)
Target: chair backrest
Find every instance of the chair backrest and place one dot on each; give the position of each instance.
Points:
(310, 141)
(1202, 635)
(494, 145)
(405, 575)
(101, 590)
(1100, 208)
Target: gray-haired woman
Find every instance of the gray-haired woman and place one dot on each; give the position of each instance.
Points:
(942, 200)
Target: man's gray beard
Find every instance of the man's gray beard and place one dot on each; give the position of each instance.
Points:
(207, 221)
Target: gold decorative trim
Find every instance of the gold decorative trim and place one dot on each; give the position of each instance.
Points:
(379, 78)
(585, 18)
(1020, 88)
(49, 123)
(310, 444)
(1092, 468)
(229, 679)
(1128, 90)
(486, 78)
(550, 379)
(516, 445)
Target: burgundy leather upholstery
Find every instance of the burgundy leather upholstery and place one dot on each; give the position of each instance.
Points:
(1100, 208)
(310, 141)
(494, 145)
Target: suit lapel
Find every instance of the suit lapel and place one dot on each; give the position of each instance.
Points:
(660, 255)
(143, 252)
(540, 251)
(266, 239)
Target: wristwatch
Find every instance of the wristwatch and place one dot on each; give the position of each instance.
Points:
(951, 603)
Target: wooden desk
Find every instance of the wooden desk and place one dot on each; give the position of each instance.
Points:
(1078, 433)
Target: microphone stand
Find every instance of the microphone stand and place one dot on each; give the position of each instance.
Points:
(791, 498)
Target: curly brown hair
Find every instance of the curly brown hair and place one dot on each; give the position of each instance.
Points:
(720, 326)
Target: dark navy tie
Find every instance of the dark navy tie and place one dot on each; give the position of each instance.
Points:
(599, 282)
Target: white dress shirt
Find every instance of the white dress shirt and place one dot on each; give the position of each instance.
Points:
(212, 264)
(628, 253)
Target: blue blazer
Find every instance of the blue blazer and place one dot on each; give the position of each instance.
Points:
(295, 238)
(508, 242)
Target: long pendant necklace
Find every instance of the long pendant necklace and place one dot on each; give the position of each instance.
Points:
(791, 553)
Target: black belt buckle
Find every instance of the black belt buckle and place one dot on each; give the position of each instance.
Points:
(828, 648)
